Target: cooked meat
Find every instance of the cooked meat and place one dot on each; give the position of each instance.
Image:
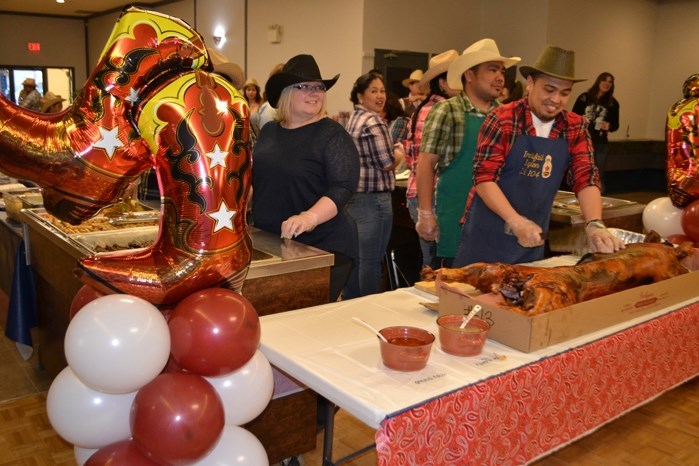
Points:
(533, 290)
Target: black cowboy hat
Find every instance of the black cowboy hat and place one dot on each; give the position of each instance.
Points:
(299, 69)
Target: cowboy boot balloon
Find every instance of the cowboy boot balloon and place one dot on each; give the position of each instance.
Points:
(197, 127)
(86, 156)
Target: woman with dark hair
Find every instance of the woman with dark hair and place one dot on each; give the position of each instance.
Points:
(601, 110)
(371, 204)
(436, 78)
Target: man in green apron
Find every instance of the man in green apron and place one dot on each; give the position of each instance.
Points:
(449, 142)
(524, 150)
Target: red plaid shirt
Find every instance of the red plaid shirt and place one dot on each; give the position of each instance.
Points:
(503, 124)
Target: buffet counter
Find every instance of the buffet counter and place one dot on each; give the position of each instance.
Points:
(501, 407)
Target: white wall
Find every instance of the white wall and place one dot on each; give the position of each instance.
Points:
(331, 31)
(62, 43)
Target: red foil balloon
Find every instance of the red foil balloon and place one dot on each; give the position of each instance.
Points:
(119, 453)
(177, 418)
(690, 221)
(84, 295)
(682, 146)
(147, 104)
(213, 332)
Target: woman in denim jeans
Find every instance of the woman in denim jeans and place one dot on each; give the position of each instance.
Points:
(371, 204)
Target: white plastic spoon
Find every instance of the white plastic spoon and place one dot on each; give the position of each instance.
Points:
(470, 315)
(357, 319)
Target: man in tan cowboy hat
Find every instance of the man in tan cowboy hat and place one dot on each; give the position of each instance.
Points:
(416, 94)
(524, 151)
(449, 141)
(29, 97)
(51, 103)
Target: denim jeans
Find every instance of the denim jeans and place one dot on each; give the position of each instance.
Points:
(373, 215)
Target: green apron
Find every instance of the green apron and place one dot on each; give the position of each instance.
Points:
(453, 185)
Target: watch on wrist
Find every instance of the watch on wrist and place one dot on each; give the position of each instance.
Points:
(596, 223)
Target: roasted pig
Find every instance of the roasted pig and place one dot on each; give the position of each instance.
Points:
(533, 290)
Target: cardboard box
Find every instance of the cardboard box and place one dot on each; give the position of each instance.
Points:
(529, 334)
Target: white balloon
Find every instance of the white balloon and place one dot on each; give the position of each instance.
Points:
(236, 447)
(117, 343)
(85, 417)
(83, 454)
(663, 217)
(245, 392)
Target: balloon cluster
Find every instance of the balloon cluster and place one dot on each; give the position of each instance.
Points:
(674, 224)
(147, 388)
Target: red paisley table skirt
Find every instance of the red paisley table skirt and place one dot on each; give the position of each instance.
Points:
(518, 416)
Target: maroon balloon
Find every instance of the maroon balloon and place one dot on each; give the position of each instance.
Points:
(177, 418)
(214, 332)
(690, 220)
(84, 295)
(119, 453)
(678, 239)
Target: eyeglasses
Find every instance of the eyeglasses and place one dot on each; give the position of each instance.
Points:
(308, 88)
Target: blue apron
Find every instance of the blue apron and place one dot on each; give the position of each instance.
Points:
(453, 185)
(530, 178)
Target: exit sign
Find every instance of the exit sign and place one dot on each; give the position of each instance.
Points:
(34, 46)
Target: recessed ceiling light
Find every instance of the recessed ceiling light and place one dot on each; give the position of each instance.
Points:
(60, 1)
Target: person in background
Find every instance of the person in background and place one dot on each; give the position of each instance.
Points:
(251, 92)
(524, 150)
(305, 169)
(29, 97)
(449, 142)
(51, 103)
(512, 91)
(601, 110)
(434, 79)
(416, 94)
(266, 113)
(370, 206)
(233, 73)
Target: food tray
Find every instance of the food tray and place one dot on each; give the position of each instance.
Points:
(105, 242)
(14, 201)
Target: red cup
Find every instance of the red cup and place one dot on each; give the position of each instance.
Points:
(407, 348)
(468, 341)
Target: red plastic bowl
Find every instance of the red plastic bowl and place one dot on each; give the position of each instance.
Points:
(407, 349)
(462, 342)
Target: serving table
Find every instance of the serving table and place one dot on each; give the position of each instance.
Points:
(501, 407)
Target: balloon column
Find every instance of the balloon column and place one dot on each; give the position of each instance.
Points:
(119, 401)
(149, 102)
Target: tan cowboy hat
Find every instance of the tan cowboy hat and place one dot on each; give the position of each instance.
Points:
(29, 82)
(484, 50)
(229, 70)
(438, 64)
(554, 61)
(48, 100)
(414, 77)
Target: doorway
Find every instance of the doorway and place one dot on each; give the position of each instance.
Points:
(60, 81)
(397, 65)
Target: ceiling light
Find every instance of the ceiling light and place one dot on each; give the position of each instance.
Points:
(60, 1)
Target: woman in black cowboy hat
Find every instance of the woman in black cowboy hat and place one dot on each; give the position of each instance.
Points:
(306, 169)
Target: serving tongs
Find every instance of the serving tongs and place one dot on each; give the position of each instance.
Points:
(134, 217)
